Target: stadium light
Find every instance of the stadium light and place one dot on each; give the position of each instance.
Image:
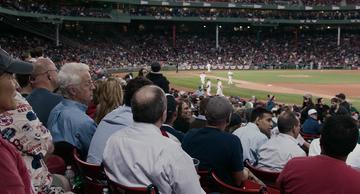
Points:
(248, 27)
(204, 26)
(328, 27)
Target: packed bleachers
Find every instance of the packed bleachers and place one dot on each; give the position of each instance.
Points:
(45, 7)
(277, 51)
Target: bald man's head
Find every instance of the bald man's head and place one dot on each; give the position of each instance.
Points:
(148, 104)
(44, 74)
(42, 65)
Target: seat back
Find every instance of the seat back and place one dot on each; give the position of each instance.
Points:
(268, 177)
(309, 137)
(95, 178)
(117, 188)
(206, 181)
(247, 188)
(64, 150)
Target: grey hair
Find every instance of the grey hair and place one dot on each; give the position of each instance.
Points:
(70, 75)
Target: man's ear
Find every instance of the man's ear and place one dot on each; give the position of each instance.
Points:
(72, 91)
(256, 120)
(175, 115)
(164, 115)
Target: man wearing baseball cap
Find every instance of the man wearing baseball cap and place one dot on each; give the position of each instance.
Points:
(311, 124)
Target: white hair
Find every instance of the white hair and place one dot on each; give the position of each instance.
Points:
(70, 74)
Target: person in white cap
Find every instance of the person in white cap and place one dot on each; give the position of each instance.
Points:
(311, 124)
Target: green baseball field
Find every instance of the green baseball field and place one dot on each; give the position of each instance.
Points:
(287, 85)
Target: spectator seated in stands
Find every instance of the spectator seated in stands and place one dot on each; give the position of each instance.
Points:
(320, 174)
(217, 150)
(168, 126)
(276, 152)
(200, 120)
(311, 124)
(336, 108)
(44, 81)
(342, 99)
(157, 78)
(183, 120)
(353, 158)
(109, 96)
(13, 172)
(255, 133)
(306, 106)
(116, 120)
(68, 120)
(159, 160)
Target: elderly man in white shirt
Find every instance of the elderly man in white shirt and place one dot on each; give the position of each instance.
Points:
(255, 133)
(139, 155)
(275, 153)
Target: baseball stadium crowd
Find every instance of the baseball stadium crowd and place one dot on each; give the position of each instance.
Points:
(43, 4)
(144, 132)
(47, 7)
(276, 50)
(204, 13)
(211, 13)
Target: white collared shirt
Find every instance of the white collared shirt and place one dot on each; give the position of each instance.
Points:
(275, 153)
(139, 155)
(353, 158)
(251, 140)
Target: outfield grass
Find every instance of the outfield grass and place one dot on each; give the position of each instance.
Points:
(324, 77)
(289, 76)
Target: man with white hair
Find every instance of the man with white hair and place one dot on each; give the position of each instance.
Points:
(68, 120)
(44, 81)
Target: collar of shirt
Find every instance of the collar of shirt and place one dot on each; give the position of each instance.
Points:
(72, 103)
(283, 135)
(253, 125)
(146, 128)
(212, 129)
(200, 117)
(166, 125)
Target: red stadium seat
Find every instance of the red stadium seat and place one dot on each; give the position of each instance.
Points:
(248, 187)
(206, 181)
(95, 178)
(268, 177)
(121, 189)
(55, 164)
(309, 137)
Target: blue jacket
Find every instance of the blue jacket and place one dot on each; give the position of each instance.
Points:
(311, 126)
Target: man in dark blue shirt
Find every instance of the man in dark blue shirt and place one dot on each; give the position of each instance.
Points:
(217, 150)
(44, 82)
(311, 124)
